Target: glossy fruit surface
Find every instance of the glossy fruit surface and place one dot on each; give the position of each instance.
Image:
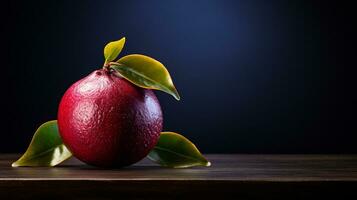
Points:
(107, 121)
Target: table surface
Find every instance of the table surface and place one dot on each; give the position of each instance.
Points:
(229, 174)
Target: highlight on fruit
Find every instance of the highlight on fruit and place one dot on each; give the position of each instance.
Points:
(112, 118)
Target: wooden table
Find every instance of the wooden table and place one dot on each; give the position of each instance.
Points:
(229, 177)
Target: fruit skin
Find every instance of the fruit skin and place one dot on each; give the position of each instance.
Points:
(107, 121)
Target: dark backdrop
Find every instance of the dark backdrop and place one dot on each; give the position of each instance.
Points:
(254, 76)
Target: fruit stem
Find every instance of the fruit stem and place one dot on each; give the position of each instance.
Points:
(106, 66)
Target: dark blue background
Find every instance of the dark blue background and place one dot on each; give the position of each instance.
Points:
(254, 76)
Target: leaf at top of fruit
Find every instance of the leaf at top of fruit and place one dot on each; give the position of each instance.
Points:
(46, 148)
(145, 72)
(174, 150)
(113, 49)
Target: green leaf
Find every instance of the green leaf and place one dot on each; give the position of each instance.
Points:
(145, 72)
(113, 49)
(174, 150)
(46, 148)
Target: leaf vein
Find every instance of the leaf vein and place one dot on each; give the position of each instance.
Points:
(158, 84)
(40, 154)
(179, 154)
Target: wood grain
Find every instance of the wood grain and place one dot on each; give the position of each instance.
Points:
(230, 176)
